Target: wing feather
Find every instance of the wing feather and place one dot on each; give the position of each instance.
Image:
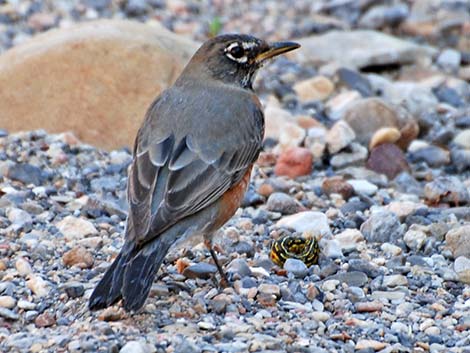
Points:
(176, 175)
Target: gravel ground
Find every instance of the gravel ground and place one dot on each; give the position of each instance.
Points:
(392, 207)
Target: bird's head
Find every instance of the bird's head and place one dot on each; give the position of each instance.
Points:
(234, 58)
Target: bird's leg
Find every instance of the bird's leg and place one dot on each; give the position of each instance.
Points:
(224, 283)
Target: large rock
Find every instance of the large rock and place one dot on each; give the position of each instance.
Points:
(347, 49)
(96, 79)
(367, 116)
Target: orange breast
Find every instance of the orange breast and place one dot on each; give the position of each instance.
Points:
(232, 200)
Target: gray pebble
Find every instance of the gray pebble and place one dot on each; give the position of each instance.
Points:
(283, 203)
(296, 267)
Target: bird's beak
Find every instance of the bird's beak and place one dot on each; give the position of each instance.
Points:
(276, 49)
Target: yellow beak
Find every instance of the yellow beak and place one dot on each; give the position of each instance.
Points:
(276, 49)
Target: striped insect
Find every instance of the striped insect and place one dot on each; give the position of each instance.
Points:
(292, 247)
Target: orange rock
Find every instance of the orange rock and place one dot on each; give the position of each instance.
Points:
(96, 79)
(78, 256)
(181, 264)
(265, 189)
(294, 162)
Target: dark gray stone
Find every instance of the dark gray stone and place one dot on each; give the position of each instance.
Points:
(26, 173)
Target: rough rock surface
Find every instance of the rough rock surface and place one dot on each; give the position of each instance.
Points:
(89, 78)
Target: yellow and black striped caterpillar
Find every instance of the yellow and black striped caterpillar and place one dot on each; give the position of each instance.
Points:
(291, 247)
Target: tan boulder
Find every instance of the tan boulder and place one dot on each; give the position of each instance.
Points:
(96, 79)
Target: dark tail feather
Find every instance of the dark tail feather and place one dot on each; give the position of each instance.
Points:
(108, 290)
(140, 273)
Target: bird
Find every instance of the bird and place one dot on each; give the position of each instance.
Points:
(192, 161)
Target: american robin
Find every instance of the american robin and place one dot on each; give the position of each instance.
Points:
(192, 161)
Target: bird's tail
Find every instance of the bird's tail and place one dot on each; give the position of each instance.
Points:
(130, 277)
(108, 290)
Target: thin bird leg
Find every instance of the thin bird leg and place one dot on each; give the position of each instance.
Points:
(224, 283)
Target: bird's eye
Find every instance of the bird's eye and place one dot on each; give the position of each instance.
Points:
(237, 52)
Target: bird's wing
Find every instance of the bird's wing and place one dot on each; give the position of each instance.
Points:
(179, 175)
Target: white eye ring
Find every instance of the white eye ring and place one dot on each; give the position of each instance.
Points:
(229, 49)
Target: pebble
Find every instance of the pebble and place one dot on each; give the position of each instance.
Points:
(415, 239)
(26, 173)
(392, 250)
(283, 203)
(26, 305)
(8, 314)
(78, 256)
(313, 89)
(458, 241)
(269, 289)
(446, 189)
(137, 347)
(356, 155)
(462, 139)
(23, 267)
(339, 136)
(337, 185)
(19, 218)
(74, 228)
(7, 302)
(352, 278)
(355, 81)
(367, 115)
(296, 267)
(331, 249)
(349, 239)
(387, 159)
(38, 286)
(294, 162)
(369, 307)
(200, 270)
(383, 227)
(290, 137)
(383, 15)
(449, 59)
(45, 319)
(330, 285)
(363, 187)
(314, 223)
(384, 135)
(74, 289)
(364, 344)
(369, 268)
(395, 281)
(403, 208)
(241, 267)
(462, 268)
(433, 156)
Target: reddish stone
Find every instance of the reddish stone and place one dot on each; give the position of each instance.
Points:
(294, 162)
(46, 319)
(387, 159)
(265, 189)
(337, 185)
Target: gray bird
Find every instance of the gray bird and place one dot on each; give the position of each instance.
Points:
(192, 161)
